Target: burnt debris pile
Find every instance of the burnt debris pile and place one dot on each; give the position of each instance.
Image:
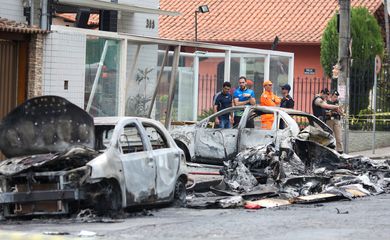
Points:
(304, 168)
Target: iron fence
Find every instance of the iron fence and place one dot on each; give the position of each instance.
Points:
(361, 94)
(305, 90)
(207, 87)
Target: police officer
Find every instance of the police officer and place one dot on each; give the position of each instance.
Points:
(333, 120)
(320, 105)
(287, 100)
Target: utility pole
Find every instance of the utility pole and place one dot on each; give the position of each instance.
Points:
(344, 62)
(386, 7)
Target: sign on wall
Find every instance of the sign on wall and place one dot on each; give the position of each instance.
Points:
(309, 71)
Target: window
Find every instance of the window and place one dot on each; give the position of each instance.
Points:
(254, 120)
(130, 140)
(102, 76)
(156, 137)
(302, 121)
(103, 136)
(210, 122)
(282, 124)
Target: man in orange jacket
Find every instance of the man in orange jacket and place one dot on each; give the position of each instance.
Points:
(268, 98)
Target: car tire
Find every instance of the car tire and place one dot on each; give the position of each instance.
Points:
(180, 194)
(110, 198)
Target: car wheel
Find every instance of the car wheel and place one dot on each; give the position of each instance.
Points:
(108, 199)
(180, 194)
(183, 147)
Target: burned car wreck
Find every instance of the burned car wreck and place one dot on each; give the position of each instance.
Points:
(294, 162)
(60, 160)
(202, 142)
(300, 172)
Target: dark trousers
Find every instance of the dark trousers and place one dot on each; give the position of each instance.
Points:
(237, 120)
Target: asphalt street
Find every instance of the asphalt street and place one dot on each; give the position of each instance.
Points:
(365, 218)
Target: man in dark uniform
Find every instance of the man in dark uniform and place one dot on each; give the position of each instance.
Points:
(222, 100)
(320, 106)
(333, 121)
(287, 100)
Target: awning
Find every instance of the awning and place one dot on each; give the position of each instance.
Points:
(116, 7)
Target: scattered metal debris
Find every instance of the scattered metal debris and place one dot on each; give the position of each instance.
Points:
(301, 172)
(56, 233)
(270, 202)
(231, 202)
(341, 212)
(85, 233)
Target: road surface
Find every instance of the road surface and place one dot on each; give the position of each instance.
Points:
(366, 218)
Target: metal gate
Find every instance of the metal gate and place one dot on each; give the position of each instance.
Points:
(8, 77)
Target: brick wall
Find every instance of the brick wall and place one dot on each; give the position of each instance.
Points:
(35, 66)
(64, 60)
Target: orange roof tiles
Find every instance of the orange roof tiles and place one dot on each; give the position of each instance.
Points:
(93, 18)
(293, 21)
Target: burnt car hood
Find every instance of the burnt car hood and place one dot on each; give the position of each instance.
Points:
(45, 125)
(74, 157)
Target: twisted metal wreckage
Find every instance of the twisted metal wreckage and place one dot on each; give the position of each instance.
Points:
(61, 159)
(301, 171)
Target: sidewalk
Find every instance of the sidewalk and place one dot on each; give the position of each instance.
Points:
(379, 153)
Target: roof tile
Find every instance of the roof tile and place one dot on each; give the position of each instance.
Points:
(293, 21)
(12, 26)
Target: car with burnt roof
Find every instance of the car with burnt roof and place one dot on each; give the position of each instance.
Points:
(205, 143)
(60, 160)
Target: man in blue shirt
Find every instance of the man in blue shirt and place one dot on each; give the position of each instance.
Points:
(242, 96)
(222, 100)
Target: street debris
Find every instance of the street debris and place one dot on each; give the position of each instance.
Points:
(302, 171)
(232, 202)
(270, 202)
(341, 212)
(56, 233)
(85, 233)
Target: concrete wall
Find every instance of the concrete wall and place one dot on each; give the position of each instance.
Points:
(362, 140)
(135, 23)
(12, 10)
(64, 60)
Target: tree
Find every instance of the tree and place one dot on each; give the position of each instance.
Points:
(366, 36)
(367, 42)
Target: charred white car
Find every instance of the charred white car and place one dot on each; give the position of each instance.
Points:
(202, 142)
(60, 159)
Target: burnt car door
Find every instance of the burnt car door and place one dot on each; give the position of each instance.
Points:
(251, 131)
(167, 160)
(215, 143)
(138, 164)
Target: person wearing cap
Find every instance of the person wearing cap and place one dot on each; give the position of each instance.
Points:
(249, 84)
(287, 101)
(242, 96)
(268, 98)
(320, 105)
(333, 120)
